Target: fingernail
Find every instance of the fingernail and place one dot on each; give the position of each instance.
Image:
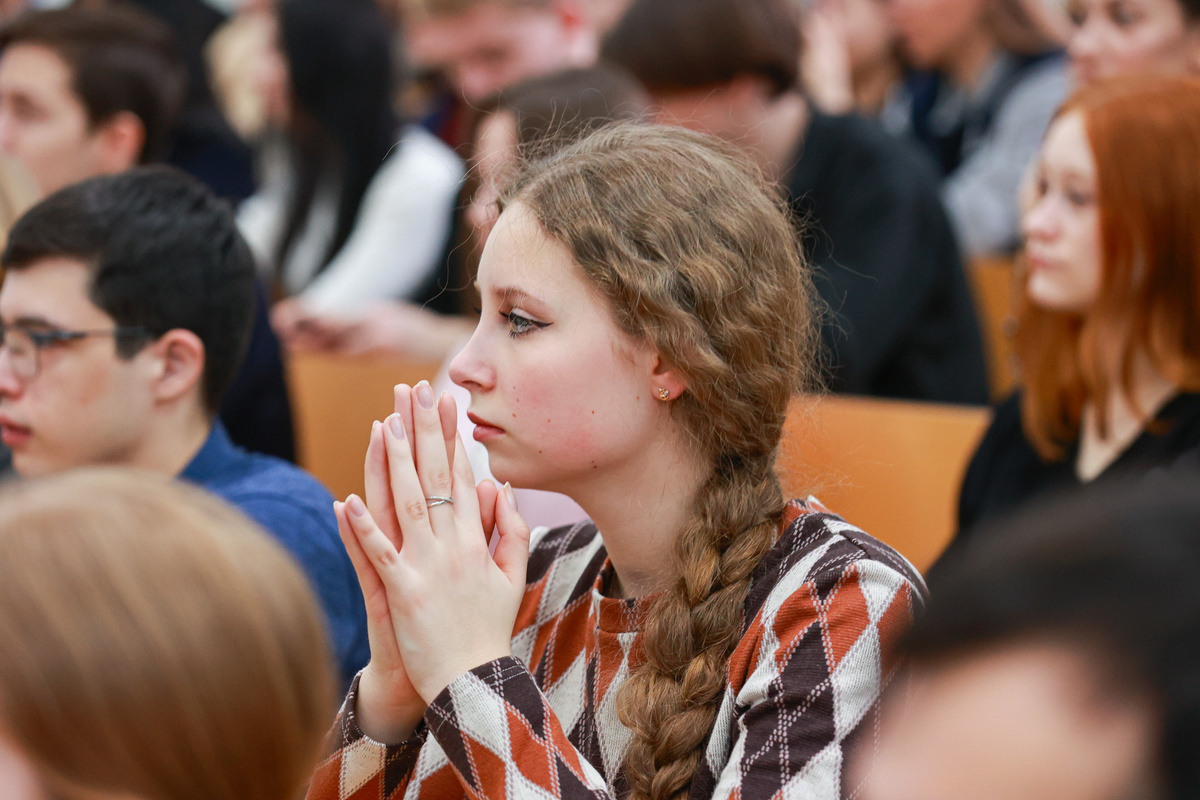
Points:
(508, 492)
(356, 506)
(397, 426)
(425, 394)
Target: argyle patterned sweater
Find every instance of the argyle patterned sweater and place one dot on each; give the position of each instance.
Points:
(821, 618)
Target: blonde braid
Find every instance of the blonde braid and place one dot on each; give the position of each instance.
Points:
(697, 255)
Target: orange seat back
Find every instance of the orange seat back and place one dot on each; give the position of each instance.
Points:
(994, 285)
(334, 401)
(893, 468)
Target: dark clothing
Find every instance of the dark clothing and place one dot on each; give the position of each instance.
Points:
(205, 147)
(1006, 472)
(902, 321)
(202, 145)
(256, 409)
(298, 511)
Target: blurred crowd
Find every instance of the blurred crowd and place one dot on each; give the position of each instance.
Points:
(193, 191)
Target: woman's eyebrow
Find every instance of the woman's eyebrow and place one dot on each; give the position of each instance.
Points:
(512, 294)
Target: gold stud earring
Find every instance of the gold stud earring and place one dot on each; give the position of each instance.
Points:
(664, 394)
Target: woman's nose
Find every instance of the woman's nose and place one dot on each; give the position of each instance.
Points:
(470, 368)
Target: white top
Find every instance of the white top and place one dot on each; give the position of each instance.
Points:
(398, 239)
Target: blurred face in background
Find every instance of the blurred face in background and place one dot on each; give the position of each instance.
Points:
(1062, 227)
(870, 37)
(43, 125)
(1117, 37)
(931, 31)
(1026, 721)
(492, 45)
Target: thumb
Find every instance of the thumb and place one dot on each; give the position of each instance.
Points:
(512, 551)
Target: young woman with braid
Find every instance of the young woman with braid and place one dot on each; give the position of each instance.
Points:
(646, 318)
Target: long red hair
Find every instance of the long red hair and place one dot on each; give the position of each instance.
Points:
(1145, 138)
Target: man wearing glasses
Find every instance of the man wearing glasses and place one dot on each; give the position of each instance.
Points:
(125, 312)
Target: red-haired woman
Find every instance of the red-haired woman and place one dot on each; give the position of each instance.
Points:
(1110, 330)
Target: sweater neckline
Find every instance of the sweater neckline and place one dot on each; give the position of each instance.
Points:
(618, 614)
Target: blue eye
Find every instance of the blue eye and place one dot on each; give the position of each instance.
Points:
(520, 325)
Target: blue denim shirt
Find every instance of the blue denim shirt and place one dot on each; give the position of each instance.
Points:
(298, 511)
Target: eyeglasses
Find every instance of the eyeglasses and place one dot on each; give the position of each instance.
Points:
(25, 345)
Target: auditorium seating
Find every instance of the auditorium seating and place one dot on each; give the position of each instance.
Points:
(994, 286)
(890, 467)
(334, 401)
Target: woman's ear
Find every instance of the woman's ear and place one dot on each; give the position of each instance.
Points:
(666, 380)
(179, 356)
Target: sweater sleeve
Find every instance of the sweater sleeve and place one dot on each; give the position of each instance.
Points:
(806, 683)
(361, 767)
(505, 742)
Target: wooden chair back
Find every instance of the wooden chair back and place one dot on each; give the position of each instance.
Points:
(334, 401)
(994, 286)
(893, 468)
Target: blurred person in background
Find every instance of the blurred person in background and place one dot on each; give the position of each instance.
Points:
(126, 309)
(1111, 304)
(901, 321)
(989, 79)
(94, 91)
(203, 144)
(1126, 36)
(360, 207)
(851, 58)
(156, 645)
(1058, 661)
(483, 46)
(467, 50)
(87, 92)
(529, 120)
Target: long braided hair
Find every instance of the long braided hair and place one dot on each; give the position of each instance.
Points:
(696, 254)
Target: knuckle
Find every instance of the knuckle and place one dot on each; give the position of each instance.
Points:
(415, 509)
(439, 479)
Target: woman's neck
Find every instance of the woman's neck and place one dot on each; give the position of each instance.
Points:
(640, 508)
(1123, 421)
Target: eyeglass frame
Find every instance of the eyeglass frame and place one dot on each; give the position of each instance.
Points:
(48, 338)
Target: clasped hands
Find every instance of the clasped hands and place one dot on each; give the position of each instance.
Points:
(438, 603)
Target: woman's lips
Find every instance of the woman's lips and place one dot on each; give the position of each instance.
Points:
(1036, 262)
(484, 430)
(14, 436)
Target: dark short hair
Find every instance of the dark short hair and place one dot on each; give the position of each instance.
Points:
(120, 60)
(674, 45)
(1110, 570)
(563, 107)
(163, 252)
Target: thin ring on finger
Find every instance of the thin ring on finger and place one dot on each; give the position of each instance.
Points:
(435, 500)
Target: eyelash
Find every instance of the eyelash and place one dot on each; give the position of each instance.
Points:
(521, 325)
